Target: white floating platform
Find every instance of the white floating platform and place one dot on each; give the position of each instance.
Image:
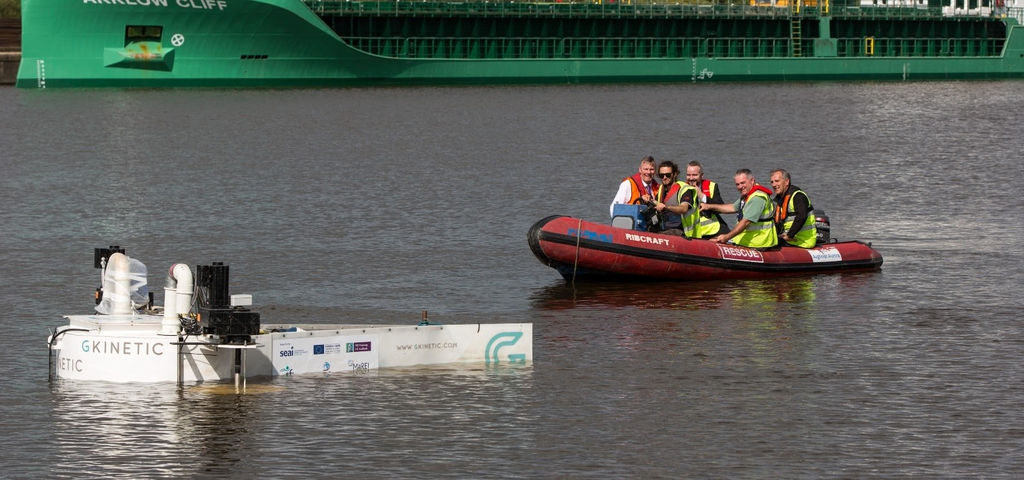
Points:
(131, 348)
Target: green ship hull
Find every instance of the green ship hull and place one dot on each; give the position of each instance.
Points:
(271, 43)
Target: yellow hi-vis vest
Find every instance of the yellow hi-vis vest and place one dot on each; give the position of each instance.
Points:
(807, 236)
(690, 219)
(708, 224)
(760, 233)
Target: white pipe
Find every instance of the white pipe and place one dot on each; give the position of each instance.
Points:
(170, 323)
(118, 288)
(183, 274)
(177, 297)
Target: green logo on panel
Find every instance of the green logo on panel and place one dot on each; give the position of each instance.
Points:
(499, 341)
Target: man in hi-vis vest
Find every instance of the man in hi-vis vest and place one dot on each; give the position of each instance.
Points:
(676, 202)
(793, 218)
(711, 223)
(755, 226)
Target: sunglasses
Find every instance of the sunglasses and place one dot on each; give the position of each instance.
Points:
(665, 175)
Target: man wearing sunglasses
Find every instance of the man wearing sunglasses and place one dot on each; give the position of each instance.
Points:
(676, 202)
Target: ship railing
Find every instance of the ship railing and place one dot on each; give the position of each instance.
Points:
(662, 47)
(635, 8)
(571, 9)
(1016, 13)
(911, 11)
(562, 47)
(919, 47)
(884, 12)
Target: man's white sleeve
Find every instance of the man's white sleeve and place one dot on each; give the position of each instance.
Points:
(622, 196)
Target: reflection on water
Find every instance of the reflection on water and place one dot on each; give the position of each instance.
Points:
(158, 429)
(216, 429)
(758, 323)
(759, 296)
(106, 427)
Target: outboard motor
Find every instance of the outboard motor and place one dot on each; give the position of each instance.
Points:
(233, 324)
(823, 226)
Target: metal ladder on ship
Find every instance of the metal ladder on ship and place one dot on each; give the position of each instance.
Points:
(795, 35)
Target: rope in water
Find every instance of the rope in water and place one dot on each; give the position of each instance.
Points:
(576, 262)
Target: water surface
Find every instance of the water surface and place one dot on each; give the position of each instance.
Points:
(372, 205)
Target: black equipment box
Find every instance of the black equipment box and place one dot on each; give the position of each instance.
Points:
(101, 255)
(236, 324)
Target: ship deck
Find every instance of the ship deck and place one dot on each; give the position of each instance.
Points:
(642, 9)
(586, 30)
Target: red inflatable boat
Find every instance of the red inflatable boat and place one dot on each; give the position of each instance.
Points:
(582, 249)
